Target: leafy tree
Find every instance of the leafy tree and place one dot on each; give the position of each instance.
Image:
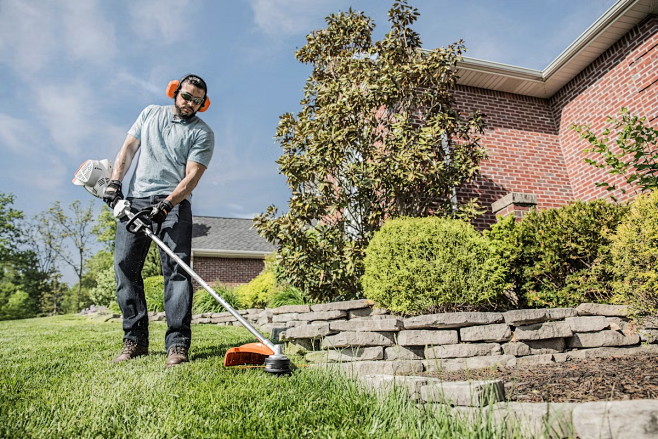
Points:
(22, 279)
(45, 260)
(377, 137)
(627, 148)
(10, 231)
(70, 238)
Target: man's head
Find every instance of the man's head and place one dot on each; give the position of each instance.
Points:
(190, 96)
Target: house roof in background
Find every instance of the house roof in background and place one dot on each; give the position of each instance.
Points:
(228, 237)
(599, 37)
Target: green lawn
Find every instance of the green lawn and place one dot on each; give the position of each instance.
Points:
(56, 381)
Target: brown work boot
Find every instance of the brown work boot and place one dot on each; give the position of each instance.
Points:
(176, 355)
(131, 350)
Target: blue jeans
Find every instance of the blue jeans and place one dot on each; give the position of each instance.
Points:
(129, 255)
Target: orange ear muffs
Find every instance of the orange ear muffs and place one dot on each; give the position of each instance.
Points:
(174, 86)
(205, 105)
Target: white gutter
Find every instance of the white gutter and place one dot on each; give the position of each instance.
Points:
(232, 254)
(500, 69)
(599, 26)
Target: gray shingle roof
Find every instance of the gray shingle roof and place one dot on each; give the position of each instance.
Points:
(227, 235)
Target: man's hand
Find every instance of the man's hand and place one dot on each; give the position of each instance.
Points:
(160, 211)
(113, 193)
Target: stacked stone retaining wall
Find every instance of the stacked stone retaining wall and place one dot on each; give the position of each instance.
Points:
(374, 340)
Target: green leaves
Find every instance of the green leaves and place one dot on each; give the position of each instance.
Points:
(632, 154)
(377, 137)
(416, 265)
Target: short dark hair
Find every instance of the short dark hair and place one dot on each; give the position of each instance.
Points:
(195, 81)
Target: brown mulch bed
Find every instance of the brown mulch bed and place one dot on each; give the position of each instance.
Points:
(593, 379)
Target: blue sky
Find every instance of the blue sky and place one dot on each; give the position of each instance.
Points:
(74, 75)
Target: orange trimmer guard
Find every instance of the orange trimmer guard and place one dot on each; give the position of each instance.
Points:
(250, 353)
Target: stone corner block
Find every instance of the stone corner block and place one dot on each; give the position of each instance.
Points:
(464, 393)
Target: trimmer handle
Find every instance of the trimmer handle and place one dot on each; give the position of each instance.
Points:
(137, 222)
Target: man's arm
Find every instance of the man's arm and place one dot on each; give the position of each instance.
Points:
(125, 157)
(193, 173)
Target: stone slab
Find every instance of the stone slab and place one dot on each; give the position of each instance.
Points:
(423, 337)
(637, 419)
(537, 420)
(403, 353)
(464, 393)
(463, 350)
(598, 309)
(350, 354)
(314, 330)
(358, 368)
(291, 309)
(452, 320)
(357, 339)
(321, 315)
(518, 317)
(452, 364)
(587, 323)
(542, 331)
(411, 385)
(347, 305)
(499, 332)
(602, 339)
(369, 325)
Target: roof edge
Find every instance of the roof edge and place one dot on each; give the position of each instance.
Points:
(500, 69)
(229, 254)
(600, 25)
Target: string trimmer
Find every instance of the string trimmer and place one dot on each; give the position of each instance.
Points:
(94, 175)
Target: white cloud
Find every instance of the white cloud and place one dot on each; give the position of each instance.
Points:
(66, 114)
(88, 35)
(288, 17)
(26, 42)
(127, 80)
(36, 35)
(18, 136)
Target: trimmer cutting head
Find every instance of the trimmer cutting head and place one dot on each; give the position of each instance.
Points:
(257, 354)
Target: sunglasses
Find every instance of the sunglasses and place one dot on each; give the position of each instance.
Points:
(188, 97)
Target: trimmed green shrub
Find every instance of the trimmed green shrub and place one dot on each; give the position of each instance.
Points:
(154, 292)
(258, 292)
(204, 302)
(635, 256)
(105, 291)
(289, 295)
(561, 257)
(416, 265)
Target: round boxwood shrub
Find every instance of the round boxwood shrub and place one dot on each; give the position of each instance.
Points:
(258, 292)
(560, 257)
(417, 265)
(635, 256)
(154, 293)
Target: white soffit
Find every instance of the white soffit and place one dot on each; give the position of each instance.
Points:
(599, 37)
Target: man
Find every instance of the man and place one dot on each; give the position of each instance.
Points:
(175, 147)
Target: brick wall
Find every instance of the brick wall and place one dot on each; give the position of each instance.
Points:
(531, 148)
(523, 150)
(626, 75)
(227, 270)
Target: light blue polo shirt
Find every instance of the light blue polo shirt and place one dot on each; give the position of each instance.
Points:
(167, 144)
